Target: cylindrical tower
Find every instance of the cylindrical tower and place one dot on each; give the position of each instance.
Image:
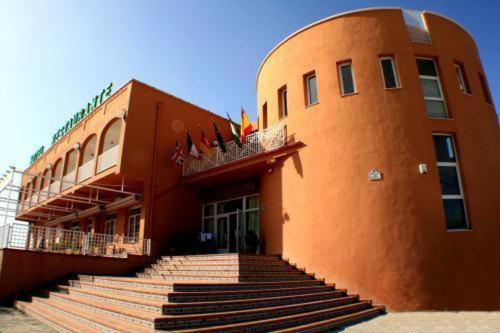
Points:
(403, 94)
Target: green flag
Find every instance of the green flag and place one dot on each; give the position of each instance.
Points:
(234, 132)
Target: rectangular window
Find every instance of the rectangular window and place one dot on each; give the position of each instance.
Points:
(90, 225)
(134, 222)
(451, 185)
(463, 83)
(347, 85)
(389, 73)
(283, 102)
(311, 89)
(433, 94)
(484, 87)
(264, 116)
(110, 224)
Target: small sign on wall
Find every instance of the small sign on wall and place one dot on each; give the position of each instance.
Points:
(374, 175)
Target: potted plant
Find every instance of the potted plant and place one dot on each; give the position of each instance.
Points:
(252, 242)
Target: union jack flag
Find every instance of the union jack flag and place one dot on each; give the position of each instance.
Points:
(179, 155)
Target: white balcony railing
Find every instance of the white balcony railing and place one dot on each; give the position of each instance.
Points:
(86, 171)
(107, 159)
(55, 187)
(44, 239)
(68, 180)
(256, 143)
(44, 194)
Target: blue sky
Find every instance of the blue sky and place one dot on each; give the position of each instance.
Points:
(56, 54)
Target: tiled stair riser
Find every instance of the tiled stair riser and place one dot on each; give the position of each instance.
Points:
(131, 305)
(236, 296)
(337, 324)
(222, 272)
(241, 268)
(143, 295)
(234, 256)
(77, 318)
(235, 287)
(266, 327)
(224, 279)
(117, 315)
(254, 315)
(42, 319)
(179, 309)
(135, 284)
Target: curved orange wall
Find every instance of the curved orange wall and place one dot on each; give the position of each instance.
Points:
(386, 240)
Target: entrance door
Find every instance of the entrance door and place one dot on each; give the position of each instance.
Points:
(227, 233)
(221, 234)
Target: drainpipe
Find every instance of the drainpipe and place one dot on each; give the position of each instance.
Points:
(159, 107)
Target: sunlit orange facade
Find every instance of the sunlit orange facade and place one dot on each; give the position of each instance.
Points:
(344, 177)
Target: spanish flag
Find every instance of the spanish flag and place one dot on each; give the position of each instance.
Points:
(246, 126)
(205, 146)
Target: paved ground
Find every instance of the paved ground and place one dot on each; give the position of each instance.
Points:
(430, 322)
(14, 321)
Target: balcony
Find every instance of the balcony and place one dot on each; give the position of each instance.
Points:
(86, 171)
(68, 180)
(256, 143)
(107, 159)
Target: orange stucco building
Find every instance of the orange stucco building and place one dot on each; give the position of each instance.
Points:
(374, 166)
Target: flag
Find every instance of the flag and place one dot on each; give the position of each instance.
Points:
(205, 146)
(234, 131)
(178, 156)
(246, 126)
(191, 147)
(220, 140)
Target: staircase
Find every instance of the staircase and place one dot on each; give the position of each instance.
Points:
(200, 293)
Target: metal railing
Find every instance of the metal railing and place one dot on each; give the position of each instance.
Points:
(86, 171)
(259, 142)
(44, 239)
(108, 159)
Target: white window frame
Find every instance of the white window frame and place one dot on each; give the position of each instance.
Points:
(284, 101)
(309, 102)
(394, 71)
(434, 78)
(135, 221)
(340, 66)
(457, 167)
(461, 81)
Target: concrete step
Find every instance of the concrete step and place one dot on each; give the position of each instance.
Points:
(195, 286)
(334, 317)
(336, 322)
(234, 272)
(223, 256)
(153, 320)
(181, 297)
(223, 266)
(98, 321)
(55, 320)
(196, 307)
(225, 278)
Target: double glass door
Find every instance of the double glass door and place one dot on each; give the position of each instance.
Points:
(230, 221)
(228, 233)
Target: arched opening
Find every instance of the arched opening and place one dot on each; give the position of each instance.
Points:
(86, 169)
(108, 146)
(70, 170)
(111, 135)
(55, 185)
(44, 184)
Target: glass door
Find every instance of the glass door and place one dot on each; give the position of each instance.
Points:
(221, 234)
